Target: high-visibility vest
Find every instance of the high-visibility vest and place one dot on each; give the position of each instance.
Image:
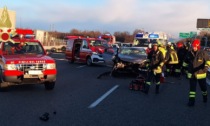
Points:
(173, 58)
(163, 50)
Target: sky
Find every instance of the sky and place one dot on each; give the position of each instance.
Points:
(170, 16)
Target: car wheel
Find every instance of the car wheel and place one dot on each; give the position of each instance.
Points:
(3, 86)
(49, 85)
(89, 61)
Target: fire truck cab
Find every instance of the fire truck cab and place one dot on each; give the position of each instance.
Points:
(23, 60)
(78, 50)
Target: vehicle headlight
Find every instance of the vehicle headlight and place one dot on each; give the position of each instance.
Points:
(10, 67)
(50, 66)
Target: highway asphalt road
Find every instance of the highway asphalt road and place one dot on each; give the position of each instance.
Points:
(80, 99)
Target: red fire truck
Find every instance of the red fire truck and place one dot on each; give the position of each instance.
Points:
(23, 60)
(109, 38)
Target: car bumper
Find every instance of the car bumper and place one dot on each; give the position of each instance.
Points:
(97, 59)
(36, 79)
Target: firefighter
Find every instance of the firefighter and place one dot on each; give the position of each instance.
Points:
(161, 48)
(171, 59)
(181, 52)
(197, 62)
(19, 48)
(156, 61)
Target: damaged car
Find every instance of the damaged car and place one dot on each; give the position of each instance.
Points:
(129, 60)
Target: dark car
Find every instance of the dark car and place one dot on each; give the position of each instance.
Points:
(129, 59)
(53, 49)
(63, 48)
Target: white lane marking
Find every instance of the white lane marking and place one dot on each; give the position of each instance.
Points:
(81, 66)
(94, 104)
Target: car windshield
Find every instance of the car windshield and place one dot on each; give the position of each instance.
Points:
(96, 43)
(133, 51)
(10, 48)
(142, 43)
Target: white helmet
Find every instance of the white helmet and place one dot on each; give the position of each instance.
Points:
(169, 43)
(150, 45)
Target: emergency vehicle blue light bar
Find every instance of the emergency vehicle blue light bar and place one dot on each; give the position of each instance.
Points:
(139, 35)
(153, 36)
(29, 36)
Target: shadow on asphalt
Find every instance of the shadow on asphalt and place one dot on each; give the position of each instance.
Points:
(119, 75)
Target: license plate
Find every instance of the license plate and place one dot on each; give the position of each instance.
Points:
(34, 72)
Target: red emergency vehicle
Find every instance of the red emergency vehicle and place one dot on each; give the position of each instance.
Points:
(96, 45)
(78, 49)
(109, 38)
(23, 60)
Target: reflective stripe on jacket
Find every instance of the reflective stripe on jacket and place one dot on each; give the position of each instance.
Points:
(171, 57)
(156, 61)
(197, 63)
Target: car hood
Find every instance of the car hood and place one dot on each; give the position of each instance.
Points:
(132, 59)
(21, 59)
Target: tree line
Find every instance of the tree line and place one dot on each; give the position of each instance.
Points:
(124, 36)
(120, 36)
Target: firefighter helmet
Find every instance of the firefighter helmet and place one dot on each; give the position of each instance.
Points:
(169, 43)
(196, 43)
(179, 44)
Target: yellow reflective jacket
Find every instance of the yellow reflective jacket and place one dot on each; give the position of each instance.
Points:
(156, 61)
(197, 64)
(163, 50)
(171, 56)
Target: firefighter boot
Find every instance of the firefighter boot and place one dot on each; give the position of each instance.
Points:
(191, 102)
(157, 89)
(204, 98)
(146, 89)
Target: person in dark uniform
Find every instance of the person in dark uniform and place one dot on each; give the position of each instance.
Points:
(171, 59)
(197, 62)
(155, 61)
(181, 52)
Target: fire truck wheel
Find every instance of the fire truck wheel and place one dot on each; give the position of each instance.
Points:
(3, 87)
(89, 61)
(49, 85)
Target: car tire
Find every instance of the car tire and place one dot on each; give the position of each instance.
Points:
(3, 86)
(49, 85)
(89, 61)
